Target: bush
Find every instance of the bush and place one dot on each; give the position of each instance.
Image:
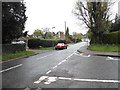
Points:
(13, 48)
(36, 43)
(111, 38)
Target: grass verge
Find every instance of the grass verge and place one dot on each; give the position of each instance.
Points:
(105, 48)
(15, 55)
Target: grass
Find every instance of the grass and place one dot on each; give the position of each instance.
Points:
(105, 48)
(15, 55)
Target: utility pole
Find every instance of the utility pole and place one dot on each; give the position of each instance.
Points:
(65, 30)
(65, 26)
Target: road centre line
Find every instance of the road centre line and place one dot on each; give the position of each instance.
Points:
(60, 63)
(51, 79)
(48, 72)
(11, 68)
(44, 56)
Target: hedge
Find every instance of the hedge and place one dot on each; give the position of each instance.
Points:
(36, 43)
(13, 48)
(111, 38)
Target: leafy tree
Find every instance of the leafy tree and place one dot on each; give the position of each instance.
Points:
(13, 20)
(49, 35)
(38, 33)
(25, 34)
(77, 35)
(95, 16)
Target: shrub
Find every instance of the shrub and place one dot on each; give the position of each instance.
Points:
(111, 38)
(36, 43)
(13, 48)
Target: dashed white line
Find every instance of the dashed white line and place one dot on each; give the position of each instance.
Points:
(59, 63)
(55, 67)
(11, 68)
(48, 72)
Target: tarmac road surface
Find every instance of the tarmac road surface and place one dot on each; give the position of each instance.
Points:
(61, 69)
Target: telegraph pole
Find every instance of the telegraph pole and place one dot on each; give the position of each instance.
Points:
(65, 30)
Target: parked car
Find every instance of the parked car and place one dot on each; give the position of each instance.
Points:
(19, 42)
(61, 46)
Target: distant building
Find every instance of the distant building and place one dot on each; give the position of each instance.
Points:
(60, 35)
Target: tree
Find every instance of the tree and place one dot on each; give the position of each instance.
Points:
(25, 34)
(95, 16)
(77, 35)
(67, 34)
(38, 33)
(13, 20)
(49, 35)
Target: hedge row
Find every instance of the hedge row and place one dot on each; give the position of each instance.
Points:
(13, 48)
(36, 43)
(111, 38)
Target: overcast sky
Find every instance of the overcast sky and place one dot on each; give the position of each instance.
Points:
(53, 13)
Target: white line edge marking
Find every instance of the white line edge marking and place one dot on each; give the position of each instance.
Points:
(44, 56)
(73, 79)
(11, 68)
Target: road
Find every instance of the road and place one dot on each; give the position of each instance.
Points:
(61, 69)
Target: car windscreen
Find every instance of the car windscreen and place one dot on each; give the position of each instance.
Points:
(60, 44)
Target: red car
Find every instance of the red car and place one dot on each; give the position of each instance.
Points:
(61, 46)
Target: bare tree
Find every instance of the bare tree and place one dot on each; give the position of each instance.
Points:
(96, 17)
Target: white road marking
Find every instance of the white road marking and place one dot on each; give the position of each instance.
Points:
(51, 79)
(41, 79)
(11, 68)
(82, 55)
(44, 56)
(60, 63)
(48, 72)
(96, 80)
(55, 67)
(63, 78)
(111, 58)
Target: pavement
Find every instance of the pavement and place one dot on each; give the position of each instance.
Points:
(84, 50)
